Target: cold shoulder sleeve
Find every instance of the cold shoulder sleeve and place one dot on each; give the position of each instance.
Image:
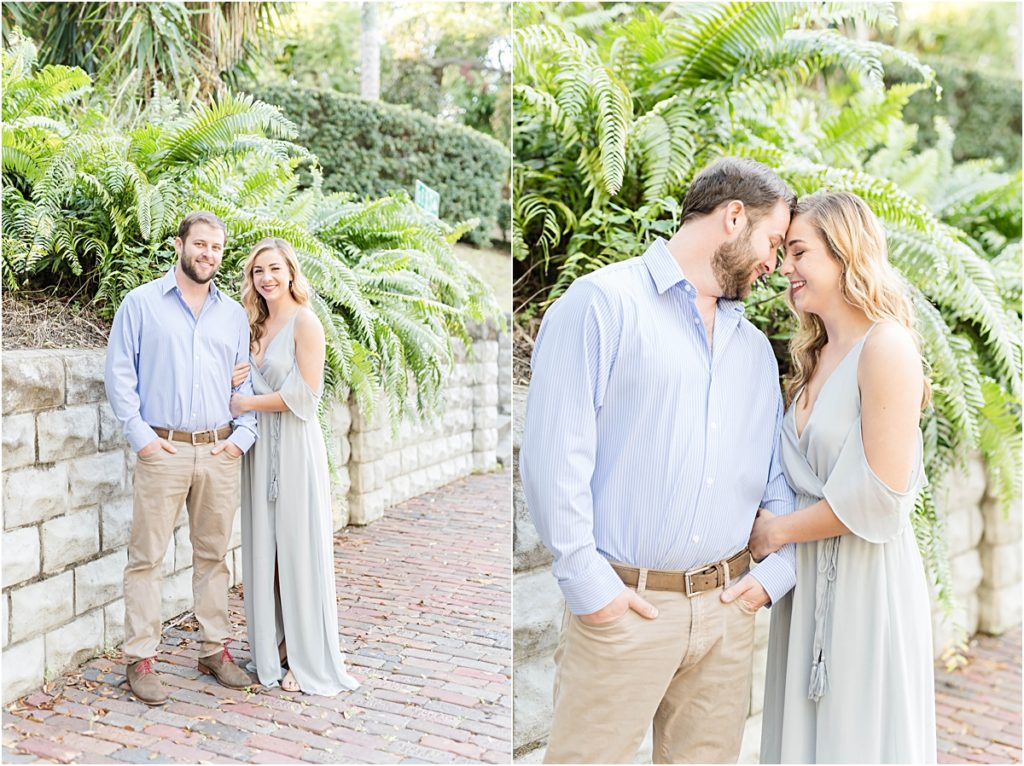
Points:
(863, 502)
(299, 397)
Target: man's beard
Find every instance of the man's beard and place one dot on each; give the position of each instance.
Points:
(732, 264)
(188, 265)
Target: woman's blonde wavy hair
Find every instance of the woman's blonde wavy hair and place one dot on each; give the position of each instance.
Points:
(254, 304)
(855, 238)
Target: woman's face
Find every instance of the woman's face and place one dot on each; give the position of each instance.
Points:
(814, 275)
(270, 275)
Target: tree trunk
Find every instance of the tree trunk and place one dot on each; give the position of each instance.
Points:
(369, 49)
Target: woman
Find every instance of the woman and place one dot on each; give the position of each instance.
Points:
(850, 649)
(287, 552)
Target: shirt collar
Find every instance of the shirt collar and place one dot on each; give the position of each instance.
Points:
(168, 282)
(666, 272)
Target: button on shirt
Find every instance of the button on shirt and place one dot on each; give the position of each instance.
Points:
(169, 369)
(642, 445)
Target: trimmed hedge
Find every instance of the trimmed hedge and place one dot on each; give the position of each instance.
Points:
(984, 111)
(373, 148)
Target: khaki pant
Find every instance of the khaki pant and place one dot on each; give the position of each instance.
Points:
(688, 671)
(209, 487)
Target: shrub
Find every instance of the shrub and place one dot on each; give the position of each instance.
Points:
(984, 111)
(370, 148)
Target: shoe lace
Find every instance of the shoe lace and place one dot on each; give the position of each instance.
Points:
(143, 666)
(225, 655)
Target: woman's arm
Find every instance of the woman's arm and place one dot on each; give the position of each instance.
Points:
(815, 522)
(310, 355)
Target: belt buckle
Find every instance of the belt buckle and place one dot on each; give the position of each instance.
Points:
(688, 583)
(200, 434)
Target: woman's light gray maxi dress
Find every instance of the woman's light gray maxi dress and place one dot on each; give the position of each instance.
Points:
(849, 676)
(286, 516)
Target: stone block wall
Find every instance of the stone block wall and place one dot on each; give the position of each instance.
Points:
(985, 552)
(67, 501)
(67, 494)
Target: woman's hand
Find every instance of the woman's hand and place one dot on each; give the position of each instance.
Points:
(239, 404)
(762, 540)
(239, 374)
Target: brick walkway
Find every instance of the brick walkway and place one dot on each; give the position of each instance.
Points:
(424, 608)
(978, 707)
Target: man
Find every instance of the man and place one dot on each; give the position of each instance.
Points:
(649, 443)
(172, 348)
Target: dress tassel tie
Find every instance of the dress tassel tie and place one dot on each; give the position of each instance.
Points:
(275, 457)
(828, 556)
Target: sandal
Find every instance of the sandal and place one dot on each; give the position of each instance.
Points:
(288, 683)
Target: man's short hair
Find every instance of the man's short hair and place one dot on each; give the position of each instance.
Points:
(756, 185)
(200, 216)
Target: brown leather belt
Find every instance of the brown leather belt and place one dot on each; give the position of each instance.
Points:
(690, 582)
(194, 437)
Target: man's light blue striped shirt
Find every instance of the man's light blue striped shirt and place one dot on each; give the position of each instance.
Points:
(170, 369)
(642, 445)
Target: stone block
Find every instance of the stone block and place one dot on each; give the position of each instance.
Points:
(4, 609)
(1001, 526)
(964, 527)
(390, 466)
(486, 351)
(400, 489)
(96, 478)
(100, 581)
(32, 380)
(239, 574)
(410, 459)
(485, 395)
(365, 477)
(69, 539)
(111, 430)
(113, 623)
(485, 461)
(366, 507)
(339, 501)
(183, 548)
(115, 523)
(75, 642)
(539, 611)
(342, 450)
(67, 433)
(341, 419)
(19, 441)
(23, 664)
(1001, 564)
(962, 489)
(999, 609)
(84, 376)
(177, 595)
(504, 431)
(966, 572)
(38, 607)
(21, 555)
(236, 531)
(485, 417)
(485, 440)
(750, 745)
(528, 552)
(531, 695)
(519, 395)
(34, 494)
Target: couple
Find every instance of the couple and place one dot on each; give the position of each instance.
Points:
(659, 464)
(177, 348)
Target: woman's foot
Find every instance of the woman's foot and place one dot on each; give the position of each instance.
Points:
(288, 683)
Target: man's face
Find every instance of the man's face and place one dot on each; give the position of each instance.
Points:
(201, 252)
(738, 262)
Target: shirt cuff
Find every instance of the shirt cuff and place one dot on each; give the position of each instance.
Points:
(593, 589)
(776, 575)
(139, 435)
(242, 438)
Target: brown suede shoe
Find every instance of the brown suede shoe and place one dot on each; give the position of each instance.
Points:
(222, 667)
(146, 684)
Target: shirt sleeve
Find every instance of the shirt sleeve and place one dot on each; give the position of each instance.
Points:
(777, 571)
(244, 434)
(121, 375)
(866, 505)
(571, 363)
